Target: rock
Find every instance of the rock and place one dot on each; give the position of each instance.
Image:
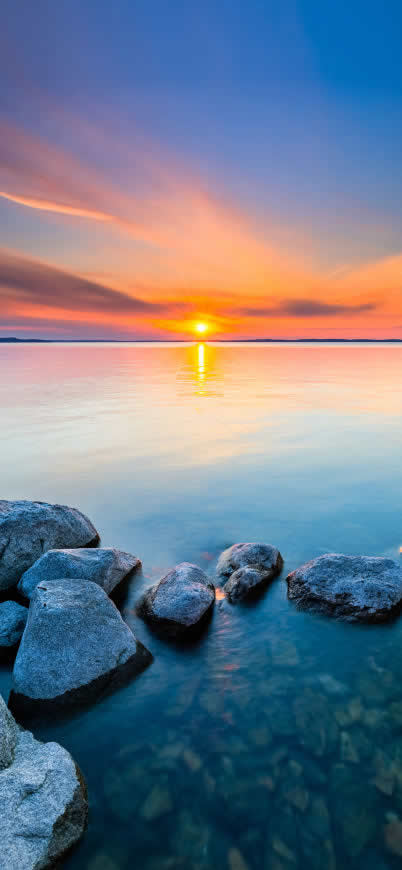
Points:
(75, 644)
(12, 623)
(353, 588)
(157, 804)
(8, 736)
(43, 805)
(393, 836)
(192, 760)
(105, 566)
(180, 601)
(246, 567)
(348, 751)
(236, 860)
(244, 582)
(30, 528)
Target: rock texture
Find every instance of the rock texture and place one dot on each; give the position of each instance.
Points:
(353, 588)
(75, 644)
(43, 805)
(12, 623)
(105, 566)
(30, 528)
(243, 583)
(244, 568)
(180, 601)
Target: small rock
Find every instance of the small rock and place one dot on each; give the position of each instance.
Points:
(192, 760)
(393, 836)
(236, 860)
(243, 583)
(157, 804)
(105, 566)
(263, 558)
(13, 618)
(348, 749)
(180, 602)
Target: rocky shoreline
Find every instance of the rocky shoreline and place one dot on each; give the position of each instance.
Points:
(51, 559)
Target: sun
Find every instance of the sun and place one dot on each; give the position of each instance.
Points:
(201, 328)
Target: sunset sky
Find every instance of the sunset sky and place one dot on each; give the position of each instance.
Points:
(237, 164)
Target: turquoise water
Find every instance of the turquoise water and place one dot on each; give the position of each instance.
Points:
(275, 741)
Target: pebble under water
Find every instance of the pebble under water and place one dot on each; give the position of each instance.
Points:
(274, 740)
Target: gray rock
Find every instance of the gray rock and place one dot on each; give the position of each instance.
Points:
(12, 623)
(43, 805)
(353, 588)
(105, 566)
(244, 582)
(180, 601)
(248, 566)
(30, 528)
(75, 644)
(8, 736)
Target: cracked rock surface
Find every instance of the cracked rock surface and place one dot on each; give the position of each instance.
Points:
(75, 644)
(43, 805)
(30, 528)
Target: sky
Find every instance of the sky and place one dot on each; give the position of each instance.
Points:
(235, 164)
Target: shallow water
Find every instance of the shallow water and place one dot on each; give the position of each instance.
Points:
(275, 741)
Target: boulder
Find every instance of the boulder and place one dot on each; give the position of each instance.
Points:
(245, 568)
(43, 803)
(352, 588)
(105, 566)
(74, 646)
(30, 528)
(180, 601)
(12, 623)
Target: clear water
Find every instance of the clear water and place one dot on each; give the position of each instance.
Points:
(275, 741)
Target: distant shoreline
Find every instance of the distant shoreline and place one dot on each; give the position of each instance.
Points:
(14, 340)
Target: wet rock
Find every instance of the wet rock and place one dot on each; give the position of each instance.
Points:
(248, 565)
(317, 730)
(331, 686)
(236, 860)
(348, 749)
(353, 588)
(74, 646)
(180, 602)
(243, 583)
(157, 804)
(13, 618)
(43, 806)
(105, 566)
(350, 713)
(393, 836)
(192, 760)
(30, 528)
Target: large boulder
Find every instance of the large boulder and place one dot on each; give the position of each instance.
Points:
(181, 600)
(43, 803)
(105, 566)
(13, 618)
(352, 588)
(245, 568)
(30, 528)
(75, 645)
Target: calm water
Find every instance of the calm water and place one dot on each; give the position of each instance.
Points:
(275, 742)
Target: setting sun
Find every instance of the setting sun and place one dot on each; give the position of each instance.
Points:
(201, 328)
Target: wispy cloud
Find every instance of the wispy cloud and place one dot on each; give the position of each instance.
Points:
(305, 308)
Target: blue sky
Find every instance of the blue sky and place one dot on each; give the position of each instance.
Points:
(285, 117)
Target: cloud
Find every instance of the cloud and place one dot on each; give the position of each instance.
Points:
(30, 283)
(304, 308)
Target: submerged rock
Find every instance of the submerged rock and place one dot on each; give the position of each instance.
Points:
(105, 566)
(244, 568)
(30, 528)
(353, 588)
(180, 601)
(75, 644)
(43, 805)
(13, 618)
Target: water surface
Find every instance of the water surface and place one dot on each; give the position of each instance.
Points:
(276, 739)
